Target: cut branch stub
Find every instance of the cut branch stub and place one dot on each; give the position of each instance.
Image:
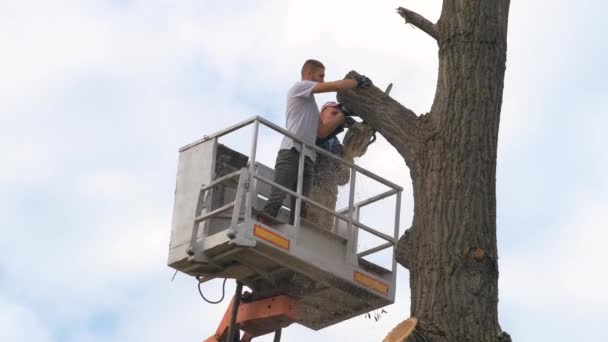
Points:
(413, 330)
(475, 253)
(405, 250)
(401, 331)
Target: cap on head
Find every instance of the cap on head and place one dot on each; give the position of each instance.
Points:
(331, 104)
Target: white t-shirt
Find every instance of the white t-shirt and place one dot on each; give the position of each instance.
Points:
(302, 116)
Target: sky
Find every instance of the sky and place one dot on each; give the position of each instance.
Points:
(97, 97)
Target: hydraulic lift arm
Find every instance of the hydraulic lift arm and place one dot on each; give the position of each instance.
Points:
(255, 318)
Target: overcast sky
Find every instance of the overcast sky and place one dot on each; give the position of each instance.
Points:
(97, 96)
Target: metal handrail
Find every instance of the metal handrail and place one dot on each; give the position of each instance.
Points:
(221, 180)
(371, 200)
(375, 232)
(220, 133)
(289, 134)
(203, 217)
(375, 249)
(395, 189)
(340, 216)
(329, 154)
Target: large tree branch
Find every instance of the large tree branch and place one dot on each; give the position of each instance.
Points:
(419, 21)
(399, 125)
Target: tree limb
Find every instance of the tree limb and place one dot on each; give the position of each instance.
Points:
(419, 21)
(399, 125)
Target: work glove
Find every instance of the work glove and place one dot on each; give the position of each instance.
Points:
(364, 81)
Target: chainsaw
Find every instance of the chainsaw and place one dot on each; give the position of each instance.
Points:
(360, 134)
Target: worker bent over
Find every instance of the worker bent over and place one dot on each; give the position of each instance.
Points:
(328, 172)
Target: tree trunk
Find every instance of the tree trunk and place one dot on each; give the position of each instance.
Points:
(450, 250)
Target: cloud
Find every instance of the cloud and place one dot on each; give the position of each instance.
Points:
(561, 271)
(25, 160)
(97, 98)
(19, 323)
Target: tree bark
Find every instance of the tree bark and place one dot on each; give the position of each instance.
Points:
(450, 249)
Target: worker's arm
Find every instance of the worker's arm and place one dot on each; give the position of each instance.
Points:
(325, 87)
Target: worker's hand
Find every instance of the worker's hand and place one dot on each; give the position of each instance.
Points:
(349, 122)
(364, 81)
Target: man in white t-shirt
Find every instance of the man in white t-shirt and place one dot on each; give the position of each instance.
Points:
(302, 119)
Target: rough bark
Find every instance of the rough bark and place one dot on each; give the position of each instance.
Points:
(450, 249)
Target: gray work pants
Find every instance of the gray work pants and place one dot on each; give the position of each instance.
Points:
(286, 174)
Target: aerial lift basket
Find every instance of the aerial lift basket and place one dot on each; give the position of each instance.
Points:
(219, 231)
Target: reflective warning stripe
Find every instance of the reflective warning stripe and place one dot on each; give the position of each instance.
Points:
(370, 282)
(271, 237)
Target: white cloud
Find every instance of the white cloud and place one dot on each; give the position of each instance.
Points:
(184, 69)
(564, 268)
(20, 324)
(26, 160)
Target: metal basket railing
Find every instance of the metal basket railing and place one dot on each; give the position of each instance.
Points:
(349, 214)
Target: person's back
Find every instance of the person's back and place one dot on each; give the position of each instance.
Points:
(301, 116)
